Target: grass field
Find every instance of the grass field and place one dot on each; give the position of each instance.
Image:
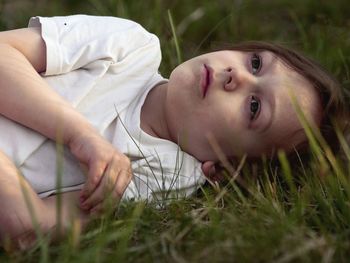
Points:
(281, 215)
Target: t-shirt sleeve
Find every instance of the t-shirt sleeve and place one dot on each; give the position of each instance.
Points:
(82, 41)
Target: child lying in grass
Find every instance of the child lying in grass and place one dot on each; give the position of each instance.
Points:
(92, 83)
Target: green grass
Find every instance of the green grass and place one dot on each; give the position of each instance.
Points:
(280, 215)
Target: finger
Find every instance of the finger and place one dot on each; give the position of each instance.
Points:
(104, 188)
(97, 209)
(95, 174)
(110, 190)
(122, 182)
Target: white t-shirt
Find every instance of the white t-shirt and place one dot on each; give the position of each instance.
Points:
(105, 67)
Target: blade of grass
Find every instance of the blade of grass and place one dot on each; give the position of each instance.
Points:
(176, 42)
(43, 244)
(59, 173)
(287, 172)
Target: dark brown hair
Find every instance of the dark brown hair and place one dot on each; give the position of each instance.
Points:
(332, 97)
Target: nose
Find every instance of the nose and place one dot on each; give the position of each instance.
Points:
(235, 78)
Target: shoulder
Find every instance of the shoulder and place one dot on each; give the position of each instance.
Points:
(78, 41)
(97, 24)
(85, 29)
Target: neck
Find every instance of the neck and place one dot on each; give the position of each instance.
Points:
(153, 114)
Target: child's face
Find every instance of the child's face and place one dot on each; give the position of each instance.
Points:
(240, 99)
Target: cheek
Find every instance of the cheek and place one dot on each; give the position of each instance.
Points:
(179, 90)
(183, 75)
(230, 115)
(226, 123)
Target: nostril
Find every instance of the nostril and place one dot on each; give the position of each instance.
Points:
(229, 69)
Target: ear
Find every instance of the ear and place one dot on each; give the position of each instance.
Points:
(213, 171)
(208, 168)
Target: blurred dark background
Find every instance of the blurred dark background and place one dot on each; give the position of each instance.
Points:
(319, 28)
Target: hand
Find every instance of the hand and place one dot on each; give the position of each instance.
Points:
(213, 171)
(108, 171)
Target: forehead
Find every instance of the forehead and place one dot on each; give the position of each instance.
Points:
(287, 88)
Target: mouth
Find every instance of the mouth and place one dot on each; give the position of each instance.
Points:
(206, 79)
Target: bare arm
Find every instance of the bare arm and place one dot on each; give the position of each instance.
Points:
(17, 229)
(24, 95)
(26, 98)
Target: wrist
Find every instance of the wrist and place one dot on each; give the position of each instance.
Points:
(80, 133)
(81, 139)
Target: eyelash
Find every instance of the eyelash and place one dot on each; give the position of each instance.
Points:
(253, 101)
(255, 58)
(256, 64)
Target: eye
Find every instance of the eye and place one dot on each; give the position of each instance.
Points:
(256, 62)
(254, 108)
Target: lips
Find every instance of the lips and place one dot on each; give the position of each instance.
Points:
(206, 78)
